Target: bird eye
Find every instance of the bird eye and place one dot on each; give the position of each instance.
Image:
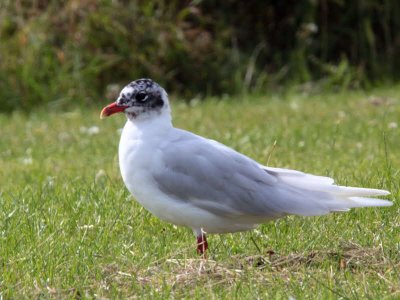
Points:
(141, 96)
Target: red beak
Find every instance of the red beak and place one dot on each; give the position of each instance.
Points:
(112, 109)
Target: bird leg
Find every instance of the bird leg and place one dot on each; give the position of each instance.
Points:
(202, 244)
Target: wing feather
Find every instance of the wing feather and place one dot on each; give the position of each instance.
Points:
(216, 178)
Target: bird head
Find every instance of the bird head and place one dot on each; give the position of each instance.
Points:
(140, 98)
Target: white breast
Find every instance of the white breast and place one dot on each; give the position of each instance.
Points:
(138, 156)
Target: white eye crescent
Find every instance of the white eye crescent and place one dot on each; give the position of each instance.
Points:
(141, 96)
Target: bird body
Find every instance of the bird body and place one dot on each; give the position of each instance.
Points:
(191, 181)
(139, 159)
(143, 161)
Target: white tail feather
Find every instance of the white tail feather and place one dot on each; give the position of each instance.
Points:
(320, 195)
(358, 192)
(366, 202)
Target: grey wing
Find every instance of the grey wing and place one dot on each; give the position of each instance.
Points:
(224, 182)
(216, 178)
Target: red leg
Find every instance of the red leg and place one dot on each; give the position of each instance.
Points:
(202, 244)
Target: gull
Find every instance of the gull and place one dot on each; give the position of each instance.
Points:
(192, 181)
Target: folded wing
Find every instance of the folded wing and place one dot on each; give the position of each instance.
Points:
(218, 179)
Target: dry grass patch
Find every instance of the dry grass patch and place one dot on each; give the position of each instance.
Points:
(187, 273)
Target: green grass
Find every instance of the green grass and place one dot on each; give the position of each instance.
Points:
(68, 227)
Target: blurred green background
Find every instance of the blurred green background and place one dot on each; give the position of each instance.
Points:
(63, 52)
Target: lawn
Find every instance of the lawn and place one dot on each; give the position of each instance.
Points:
(69, 228)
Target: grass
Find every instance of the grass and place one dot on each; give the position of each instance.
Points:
(69, 228)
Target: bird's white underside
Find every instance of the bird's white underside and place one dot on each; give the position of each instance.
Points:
(136, 160)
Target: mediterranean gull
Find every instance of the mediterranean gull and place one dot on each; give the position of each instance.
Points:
(191, 181)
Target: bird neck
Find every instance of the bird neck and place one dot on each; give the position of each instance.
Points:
(152, 123)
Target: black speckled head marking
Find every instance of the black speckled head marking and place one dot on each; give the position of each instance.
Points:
(143, 93)
(142, 96)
